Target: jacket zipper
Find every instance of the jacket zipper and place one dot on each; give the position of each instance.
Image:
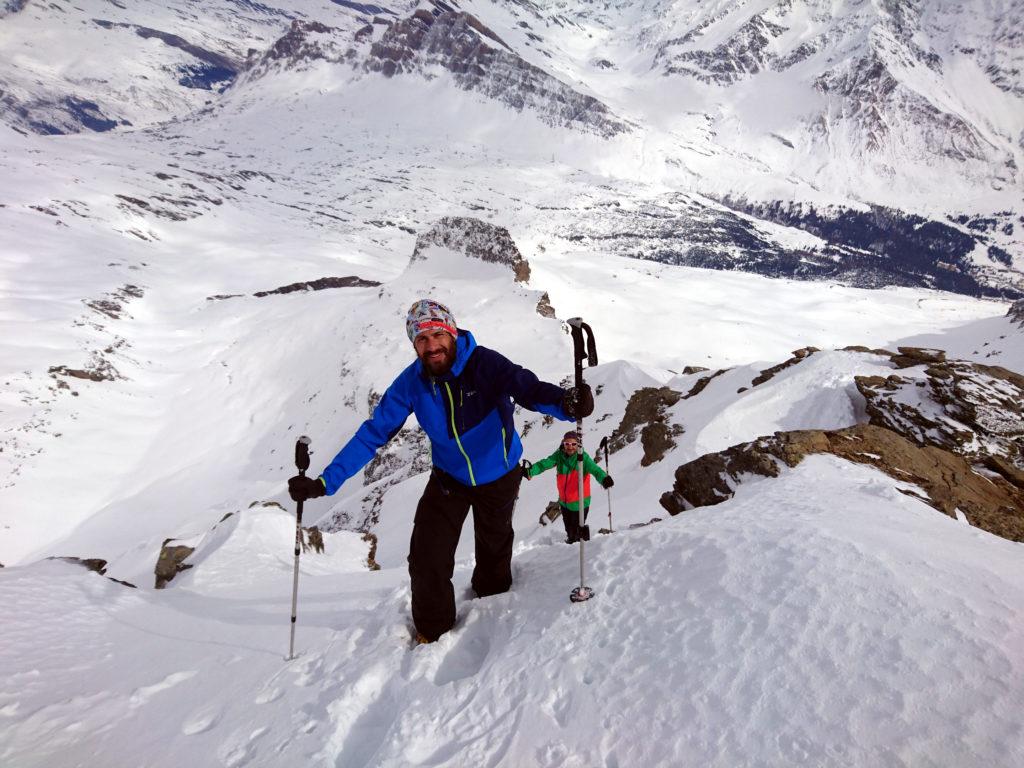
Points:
(504, 447)
(458, 442)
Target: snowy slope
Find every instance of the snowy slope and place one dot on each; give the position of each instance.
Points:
(785, 627)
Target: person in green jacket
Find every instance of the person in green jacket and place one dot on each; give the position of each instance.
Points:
(565, 461)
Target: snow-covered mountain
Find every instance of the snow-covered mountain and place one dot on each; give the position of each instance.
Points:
(213, 217)
(876, 143)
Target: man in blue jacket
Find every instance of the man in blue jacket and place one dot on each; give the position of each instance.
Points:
(462, 395)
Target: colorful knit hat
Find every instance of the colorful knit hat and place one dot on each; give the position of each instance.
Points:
(428, 315)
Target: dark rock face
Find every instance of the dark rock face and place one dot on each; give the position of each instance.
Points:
(948, 481)
(481, 61)
(646, 414)
(544, 308)
(769, 373)
(745, 52)
(883, 246)
(305, 41)
(171, 562)
(350, 281)
(1016, 312)
(972, 410)
(866, 249)
(477, 239)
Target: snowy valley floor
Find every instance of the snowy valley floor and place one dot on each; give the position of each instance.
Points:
(787, 626)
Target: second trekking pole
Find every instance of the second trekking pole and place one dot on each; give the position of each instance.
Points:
(302, 464)
(608, 469)
(581, 352)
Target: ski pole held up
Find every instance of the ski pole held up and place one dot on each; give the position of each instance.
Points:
(581, 351)
(302, 464)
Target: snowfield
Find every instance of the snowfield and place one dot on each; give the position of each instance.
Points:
(821, 619)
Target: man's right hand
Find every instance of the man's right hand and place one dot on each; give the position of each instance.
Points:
(301, 488)
(525, 469)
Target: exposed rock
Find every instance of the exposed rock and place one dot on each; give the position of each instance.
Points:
(948, 481)
(701, 383)
(459, 43)
(768, 373)
(544, 308)
(350, 281)
(371, 556)
(313, 539)
(551, 513)
(1016, 312)
(646, 414)
(973, 410)
(911, 356)
(171, 562)
(94, 564)
(693, 369)
(477, 239)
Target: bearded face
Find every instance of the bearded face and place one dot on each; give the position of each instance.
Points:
(436, 350)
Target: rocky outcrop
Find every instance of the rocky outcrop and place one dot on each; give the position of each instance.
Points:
(647, 415)
(477, 239)
(171, 562)
(951, 428)
(544, 308)
(478, 60)
(1016, 312)
(946, 481)
(769, 373)
(972, 410)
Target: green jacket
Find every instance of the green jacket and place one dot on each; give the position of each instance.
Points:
(567, 478)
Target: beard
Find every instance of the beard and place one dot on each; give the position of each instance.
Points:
(439, 365)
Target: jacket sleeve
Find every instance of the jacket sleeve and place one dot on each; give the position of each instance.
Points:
(590, 466)
(523, 385)
(544, 464)
(388, 417)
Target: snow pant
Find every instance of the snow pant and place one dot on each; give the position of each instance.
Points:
(571, 520)
(435, 535)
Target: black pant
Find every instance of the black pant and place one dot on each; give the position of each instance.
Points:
(571, 520)
(435, 534)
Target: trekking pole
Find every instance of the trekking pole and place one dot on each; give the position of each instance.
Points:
(608, 469)
(581, 353)
(302, 463)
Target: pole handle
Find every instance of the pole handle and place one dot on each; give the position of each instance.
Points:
(302, 454)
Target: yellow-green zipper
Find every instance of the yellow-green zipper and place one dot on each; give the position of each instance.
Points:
(504, 447)
(455, 432)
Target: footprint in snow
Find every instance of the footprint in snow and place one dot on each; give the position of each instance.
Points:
(465, 659)
(269, 694)
(236, 752)
(200, 721)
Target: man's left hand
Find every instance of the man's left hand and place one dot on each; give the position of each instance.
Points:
(578, 402)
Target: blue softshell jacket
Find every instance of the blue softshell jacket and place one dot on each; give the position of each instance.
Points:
(467, 414)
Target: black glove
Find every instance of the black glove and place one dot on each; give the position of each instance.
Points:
(525, 469)
(578, 402)
(607, 482)
(301, 488)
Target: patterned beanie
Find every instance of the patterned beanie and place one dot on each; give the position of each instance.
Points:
(428, 315)
(571, 435)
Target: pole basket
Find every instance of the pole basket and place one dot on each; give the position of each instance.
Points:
(581, 594)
